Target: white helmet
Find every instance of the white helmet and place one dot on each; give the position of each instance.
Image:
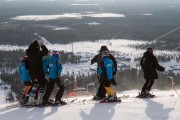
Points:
(105, 53)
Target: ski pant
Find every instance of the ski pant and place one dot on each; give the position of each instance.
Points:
(147, 85)
(101, 93)
(27, 87)
(109, 90)
(50, 87)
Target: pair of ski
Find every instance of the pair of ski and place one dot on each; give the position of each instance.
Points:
(34, 105)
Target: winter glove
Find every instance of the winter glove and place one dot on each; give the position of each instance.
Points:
(160, 68)
(41, 42)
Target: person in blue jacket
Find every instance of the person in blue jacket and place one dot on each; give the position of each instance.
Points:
(23, 72)
(106, 71)
(55, 69)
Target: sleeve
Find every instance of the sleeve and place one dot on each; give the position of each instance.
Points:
(59, 68)
(114, 62)
(94, 60)
(19, 69)
(99, 70)
(157, 66)
(44, 50)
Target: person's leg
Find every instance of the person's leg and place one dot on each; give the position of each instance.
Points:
(60, 91)
(32, 93)
(49, 89)
(101, 91)
(150, 85)
(109, 90)
(144, 88)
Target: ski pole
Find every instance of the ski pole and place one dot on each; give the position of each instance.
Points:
(172, 84)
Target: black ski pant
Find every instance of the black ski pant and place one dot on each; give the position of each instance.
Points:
(101, 93)
(50, 87)
(147, 85)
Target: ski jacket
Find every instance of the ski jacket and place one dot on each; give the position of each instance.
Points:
(98, 58)
(45, 61)
(149, 65)
(55, 67)
(106, 69)
(23, 72)
(35, 54)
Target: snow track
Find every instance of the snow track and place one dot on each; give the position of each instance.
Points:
(163, 107)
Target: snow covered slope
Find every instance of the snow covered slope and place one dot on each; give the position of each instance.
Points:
(164, 107)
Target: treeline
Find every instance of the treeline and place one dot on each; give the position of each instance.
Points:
(127, 79)
(11, 59)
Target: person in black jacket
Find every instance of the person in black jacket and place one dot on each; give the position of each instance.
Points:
(149, 65)
(35, 53)
(101, 92)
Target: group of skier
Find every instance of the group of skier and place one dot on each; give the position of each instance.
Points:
(40, 70)
(38, 64)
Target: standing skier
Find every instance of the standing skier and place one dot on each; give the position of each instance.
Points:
(101, 92)
(35, 53)
(55, 69)
(23, 71)
(106, 71)
(149, 65)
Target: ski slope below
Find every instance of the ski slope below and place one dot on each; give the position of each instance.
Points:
(166, 106)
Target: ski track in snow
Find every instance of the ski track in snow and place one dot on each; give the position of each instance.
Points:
(164, 107)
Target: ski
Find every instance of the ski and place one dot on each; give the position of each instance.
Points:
(109, 101)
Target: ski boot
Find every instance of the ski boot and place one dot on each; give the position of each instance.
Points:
(112, 98)
(59, 102)
(31, 101)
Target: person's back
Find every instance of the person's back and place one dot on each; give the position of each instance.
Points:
(35, 55)
(55, 67)
(107, 68)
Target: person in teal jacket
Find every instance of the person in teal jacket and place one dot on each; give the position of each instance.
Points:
(106, 71)
(23, 72)
(55, 69)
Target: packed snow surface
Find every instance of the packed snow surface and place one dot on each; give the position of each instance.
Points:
(166, 106)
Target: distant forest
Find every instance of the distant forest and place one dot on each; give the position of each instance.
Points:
(135, 25)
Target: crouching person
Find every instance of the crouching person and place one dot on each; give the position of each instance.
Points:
(55, 68)
(106, 70)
